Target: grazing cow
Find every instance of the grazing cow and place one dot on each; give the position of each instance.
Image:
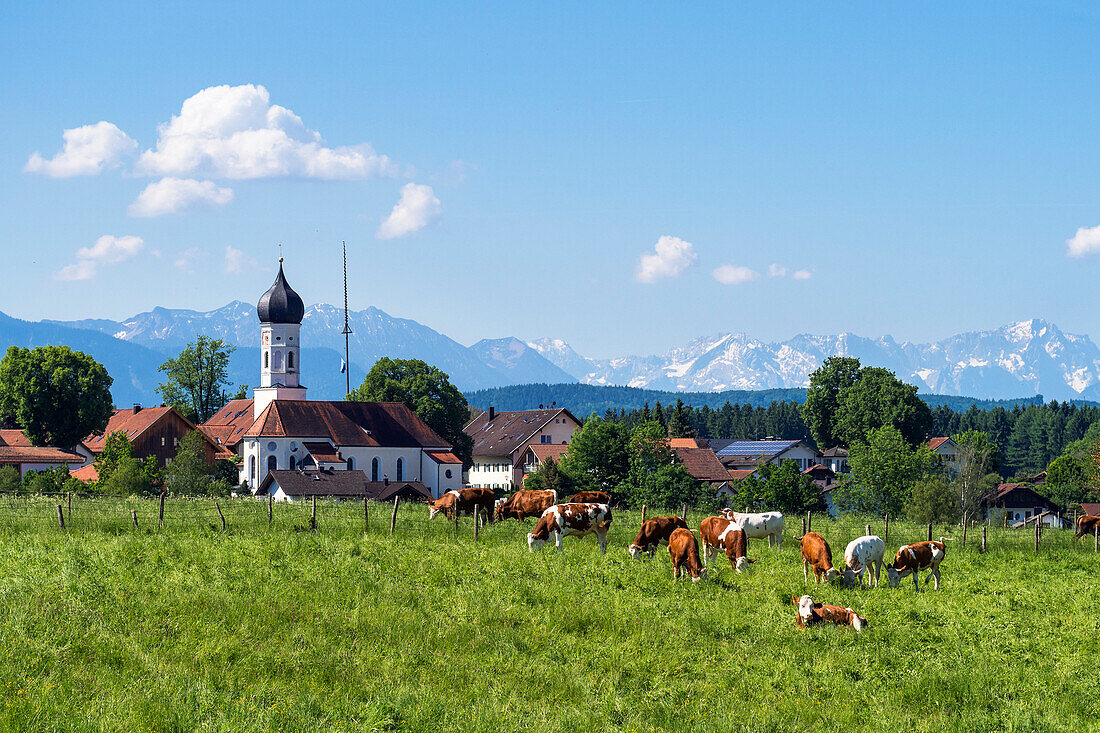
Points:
(653, 533)
(811, 614)
(463, 501)
(915, 558)
(562, 520)
(759, 526)
(590, 497)
(816, 554)
(684, 551)
(526, 503)
(724, 535)
(863, 552)
(1086, 525)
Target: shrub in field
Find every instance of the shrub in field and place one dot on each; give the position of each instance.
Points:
(46, 481)
(932, 499)
(189, 474)
(9, 478)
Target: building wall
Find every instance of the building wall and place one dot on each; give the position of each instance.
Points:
(805, 457)
(435, 476)
(492, 472)
(285, 448)
(162, 439)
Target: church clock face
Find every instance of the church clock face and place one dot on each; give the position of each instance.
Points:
(272, 446)
(266, 339)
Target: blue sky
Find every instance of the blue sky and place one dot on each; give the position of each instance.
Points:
(920, 169)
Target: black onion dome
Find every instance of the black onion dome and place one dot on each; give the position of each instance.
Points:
(280, 304)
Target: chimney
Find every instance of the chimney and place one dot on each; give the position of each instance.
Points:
(137, 407)
(492, 413)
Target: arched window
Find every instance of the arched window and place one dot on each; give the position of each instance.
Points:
(351, 464)
(292, 463)
(374, 470)
(252, 470)
(449, 473)
(400, 469)
(272, 463)
(267, 360)
(278, 361)
(290, 360)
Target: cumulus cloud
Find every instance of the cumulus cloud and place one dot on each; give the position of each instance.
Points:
(107, 250)
(1085, 242)
(87, 151)
(236, 261)
(417, 207)
(236, 133)
(172, 195)
(802, 275)
(734, 274)
(777, 271)
(670, 257)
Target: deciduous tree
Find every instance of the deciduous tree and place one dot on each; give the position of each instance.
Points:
(196, 380)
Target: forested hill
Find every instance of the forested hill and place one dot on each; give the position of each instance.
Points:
(584, 399)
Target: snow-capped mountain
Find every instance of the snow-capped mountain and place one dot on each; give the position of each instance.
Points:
(1029, 357)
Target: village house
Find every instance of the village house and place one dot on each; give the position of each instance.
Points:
(289, 486)
(502, 439)
(1020, 503)
(699, 461)
(744, 454)
(835, 459)
(280, 429)
(948, 452)
(16, 450)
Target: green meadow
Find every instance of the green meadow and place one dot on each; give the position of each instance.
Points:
(269, 628)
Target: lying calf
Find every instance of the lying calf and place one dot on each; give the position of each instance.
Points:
(811, 614)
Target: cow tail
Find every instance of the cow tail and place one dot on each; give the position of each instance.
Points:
(554, 494)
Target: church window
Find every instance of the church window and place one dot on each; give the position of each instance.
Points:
(351, 464)
(448, 473)
(272, 463)
(400, 469)
(252, 469)
(374, 469)
(278, 361)
(267, 360)
(292, 463)
(290, 360)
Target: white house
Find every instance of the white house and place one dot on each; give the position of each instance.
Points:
(291, 486)
(744, 454)
(501, 440)
(279, 428)
(1019, 503)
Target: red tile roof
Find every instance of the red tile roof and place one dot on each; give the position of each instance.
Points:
(441, 456)
(87, 474)
(346, 423)
(229, 424)
(132, 423)
(1091, 508)
(688, 443)
(508, 431)
(934, 443)
(543, 451)
(739, 473)
(16, 448)
(702, 464)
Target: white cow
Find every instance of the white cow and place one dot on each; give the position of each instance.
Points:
(759, 526)
(863, 552)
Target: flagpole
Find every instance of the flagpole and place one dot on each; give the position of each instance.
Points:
(347, 328)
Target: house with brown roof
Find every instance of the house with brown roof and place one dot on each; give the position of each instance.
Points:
(152, 431)
(291, 486)
(279, 429)
(16, 450)
(702, 464)
(501, 440)
(1020, 503)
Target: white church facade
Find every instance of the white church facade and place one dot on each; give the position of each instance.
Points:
(280, 429)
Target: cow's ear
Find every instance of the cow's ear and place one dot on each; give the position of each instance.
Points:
(750, 559)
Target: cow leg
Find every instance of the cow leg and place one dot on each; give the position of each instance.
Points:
(779, 540)
(934, 574)
(675, 572)
(878, 569)
(916, 581)
(806, 572)
(771, 540)
(601, 535)
(557, 540)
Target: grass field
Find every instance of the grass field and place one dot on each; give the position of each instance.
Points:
(279, 628)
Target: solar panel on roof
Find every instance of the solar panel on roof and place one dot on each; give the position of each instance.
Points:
(747, 447)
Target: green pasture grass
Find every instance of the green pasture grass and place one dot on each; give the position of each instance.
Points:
(263, 628)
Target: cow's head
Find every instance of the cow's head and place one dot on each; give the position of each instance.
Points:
(832, 575)
(701, 576)
(742, 563)
(635, 550)
(433, 510)
(849, 578)
(893, 575)
(859, 623)
(532, 543)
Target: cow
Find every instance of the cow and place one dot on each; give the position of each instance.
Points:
(684, 551)
(816, 554)
(653, 533)
(463, 501)
(863, 552)
(590, 497)
(914, 558)
(811, 614)
(1086, 525)
(724, 535)
(759, 526)
(525, 503)
(563, 520)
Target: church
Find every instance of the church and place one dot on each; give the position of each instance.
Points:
(279, 429)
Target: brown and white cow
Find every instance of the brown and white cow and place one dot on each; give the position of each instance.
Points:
(1086, 525)
(759, 525)
(684, 550)
(811, 614)
(463, 501)
(866, 552)
(816, 554)
(725, 535)
(653, 533)
(911, 559)
(526, 503)
(590, 497)
(577, 520)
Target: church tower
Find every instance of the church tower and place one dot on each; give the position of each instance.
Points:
(280, 311)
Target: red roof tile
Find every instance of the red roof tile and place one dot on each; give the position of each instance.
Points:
(543, 451)
(510, 430)
(16, 448)
(442, 456)
(702, 464)
(346, 423)
(322, 452)
(87, 474)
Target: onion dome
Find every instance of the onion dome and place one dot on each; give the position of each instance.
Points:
(280, 304)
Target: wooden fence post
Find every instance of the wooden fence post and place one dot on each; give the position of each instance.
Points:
(643, 513)
(133, 516)
(477, 519)
(60, 517)
(886, 528)
(1037, 523)
(393, 517)
(69, 509)
(313, 513)
(684, 512)
(803, 526)
(866, 529)
(220, 515)
(964, 529)
(983, 538)
(1096, 537)
(808, 523)
(929, 531)
(160, 515)
(270, 503)
(366, 519)
(1005, 515)
(454, 516)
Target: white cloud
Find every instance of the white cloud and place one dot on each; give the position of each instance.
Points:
(417, 207)
(88, 151)
(777, 271)
(670, 257)
(236, 261)
(172, 195)
(107, 250)
(236, 133)
(734, 274)
(1085, 242)
(802, 275)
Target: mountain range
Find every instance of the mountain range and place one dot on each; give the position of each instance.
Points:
(1024, 358)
